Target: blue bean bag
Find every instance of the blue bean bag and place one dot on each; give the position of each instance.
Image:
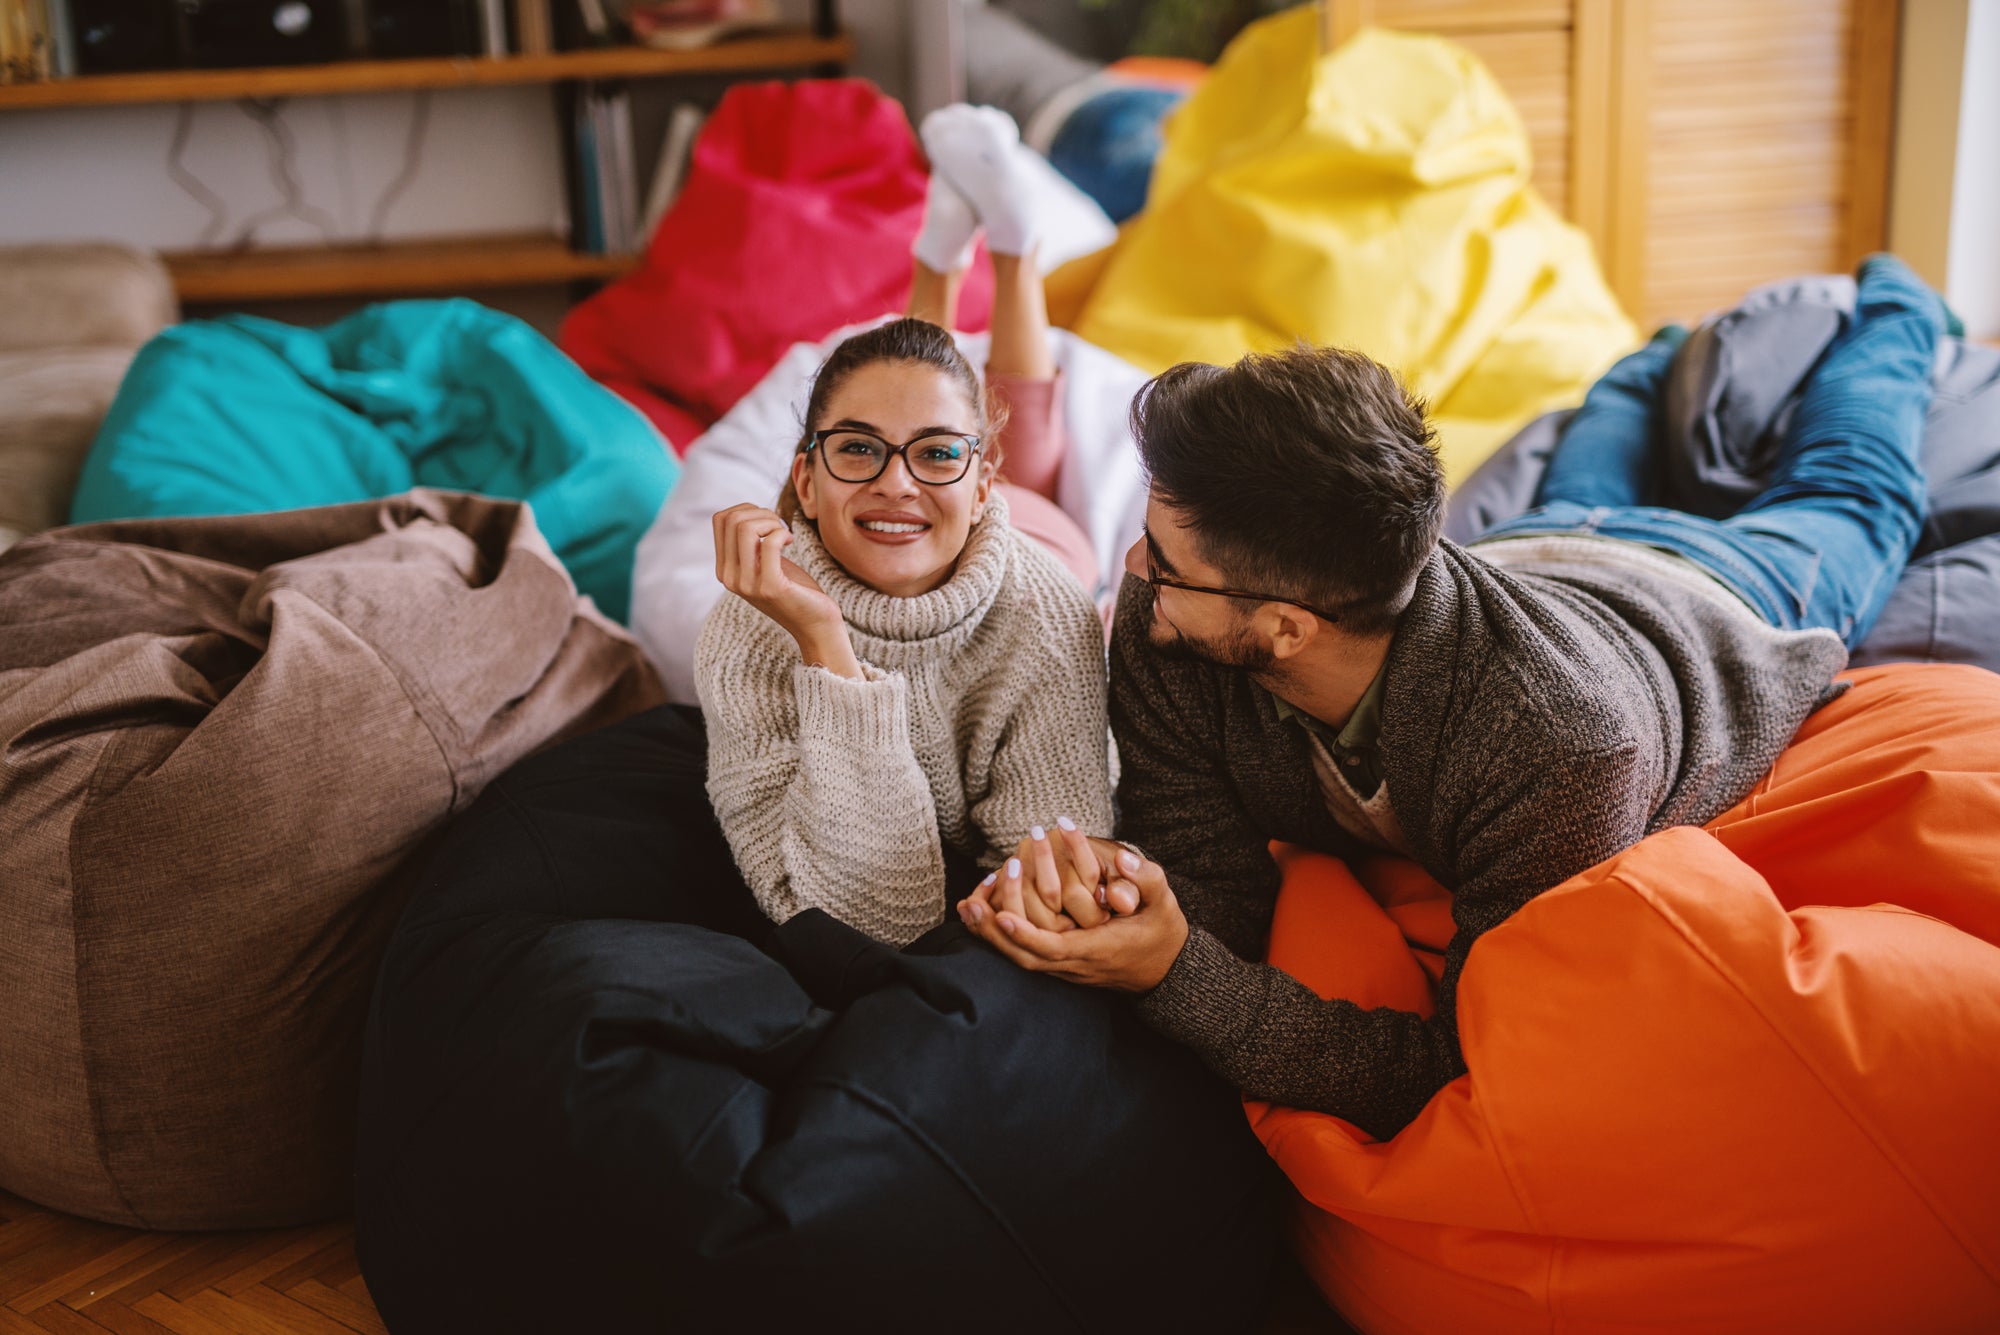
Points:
(602, 1092)
(241, 415)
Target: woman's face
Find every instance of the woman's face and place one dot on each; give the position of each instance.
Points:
(895, 534)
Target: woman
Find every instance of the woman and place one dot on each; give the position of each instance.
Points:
(896, 679)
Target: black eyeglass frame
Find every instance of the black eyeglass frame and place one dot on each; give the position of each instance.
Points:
(818, 439)
(1159, 581)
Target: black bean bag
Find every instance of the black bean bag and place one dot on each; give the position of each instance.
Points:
(602, 1092)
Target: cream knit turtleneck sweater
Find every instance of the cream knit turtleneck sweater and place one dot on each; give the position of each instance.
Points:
(983, 713)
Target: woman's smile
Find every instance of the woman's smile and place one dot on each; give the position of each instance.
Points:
(892, 528)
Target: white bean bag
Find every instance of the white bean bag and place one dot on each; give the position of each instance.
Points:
(747, 455)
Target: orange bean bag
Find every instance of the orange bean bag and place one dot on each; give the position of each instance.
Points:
(1740, 1078)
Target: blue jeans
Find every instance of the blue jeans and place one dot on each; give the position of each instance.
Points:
(1825, 543)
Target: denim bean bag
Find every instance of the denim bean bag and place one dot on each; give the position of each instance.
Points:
(601, 1092)
(1721, 415)
(241, 415)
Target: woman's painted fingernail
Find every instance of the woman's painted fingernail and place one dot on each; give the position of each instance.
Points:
(1037, 833)
(1014, 868)
(1128, 860)
(1066, 823)
(991, 877)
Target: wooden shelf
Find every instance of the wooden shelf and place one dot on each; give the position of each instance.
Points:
(404, 267)
(794, 49)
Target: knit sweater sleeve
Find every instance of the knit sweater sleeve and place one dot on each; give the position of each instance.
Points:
(1053, 757)
(1263, 1030)
(815, 782)
(1176, 801)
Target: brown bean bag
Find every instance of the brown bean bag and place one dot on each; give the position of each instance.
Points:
(218, 738)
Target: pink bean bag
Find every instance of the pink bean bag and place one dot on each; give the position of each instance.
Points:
(797, 216)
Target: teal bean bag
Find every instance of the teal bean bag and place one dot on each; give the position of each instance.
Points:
(241, 414)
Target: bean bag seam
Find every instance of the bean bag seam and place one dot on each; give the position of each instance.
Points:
(91, 1093)
(1558, 1246)
(1728, 976)
(403, 686)
(971, 1189)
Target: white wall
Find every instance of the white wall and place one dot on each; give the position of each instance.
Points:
(1944, 204)
(490, 160)
(1973, 272)
(489, 163)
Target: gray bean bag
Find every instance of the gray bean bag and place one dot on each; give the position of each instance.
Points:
(1726, 404)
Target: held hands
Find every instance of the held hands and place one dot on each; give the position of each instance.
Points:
(1089, 910)
(749, 561)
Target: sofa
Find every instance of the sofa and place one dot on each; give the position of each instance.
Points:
(71, 318)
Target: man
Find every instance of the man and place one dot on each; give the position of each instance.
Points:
(1297, 657)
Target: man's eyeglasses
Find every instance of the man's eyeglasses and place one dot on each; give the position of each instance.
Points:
(1159, 581)
(862, 456)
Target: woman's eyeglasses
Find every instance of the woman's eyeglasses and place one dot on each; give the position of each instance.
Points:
(1159, 581)
(862, 456)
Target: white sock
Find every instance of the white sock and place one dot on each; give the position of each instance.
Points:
(944, 244)
(1023, 202)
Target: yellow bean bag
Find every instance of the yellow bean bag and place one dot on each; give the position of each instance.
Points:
(1377, 198)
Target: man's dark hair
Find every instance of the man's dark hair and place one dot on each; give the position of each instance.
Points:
(1310, 473)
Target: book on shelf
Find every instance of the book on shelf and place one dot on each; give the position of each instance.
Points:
(670, 172)
(586, 223)
(493, 28)
(27, 48)
(581, 24)
(534, 31)
(607, 176)
(624, 173)
(62, 38)
(604, 195)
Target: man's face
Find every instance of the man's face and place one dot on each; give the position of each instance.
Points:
(1207, 627)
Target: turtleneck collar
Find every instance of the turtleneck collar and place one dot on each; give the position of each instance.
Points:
(954, 609)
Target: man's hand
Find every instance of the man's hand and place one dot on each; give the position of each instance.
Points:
(1063, 875)
(1129, 951)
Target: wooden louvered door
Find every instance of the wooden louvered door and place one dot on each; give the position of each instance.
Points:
(1706, 146)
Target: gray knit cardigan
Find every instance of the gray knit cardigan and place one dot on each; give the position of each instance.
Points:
(1534, 723)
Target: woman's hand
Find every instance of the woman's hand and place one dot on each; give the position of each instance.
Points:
(749, 560)
(1060, 881)
(1129, 951)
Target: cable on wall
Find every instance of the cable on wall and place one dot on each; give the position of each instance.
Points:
(218, 211)
(282, 149)
(343, 166)
(413, 154)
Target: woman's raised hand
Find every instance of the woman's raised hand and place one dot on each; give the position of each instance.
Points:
(749, 560)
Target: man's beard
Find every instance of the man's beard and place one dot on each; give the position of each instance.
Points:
(1240, 649)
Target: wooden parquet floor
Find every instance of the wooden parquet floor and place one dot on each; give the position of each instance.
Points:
(61, 1275)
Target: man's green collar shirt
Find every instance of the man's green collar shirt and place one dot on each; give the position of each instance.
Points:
(1353, 747)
